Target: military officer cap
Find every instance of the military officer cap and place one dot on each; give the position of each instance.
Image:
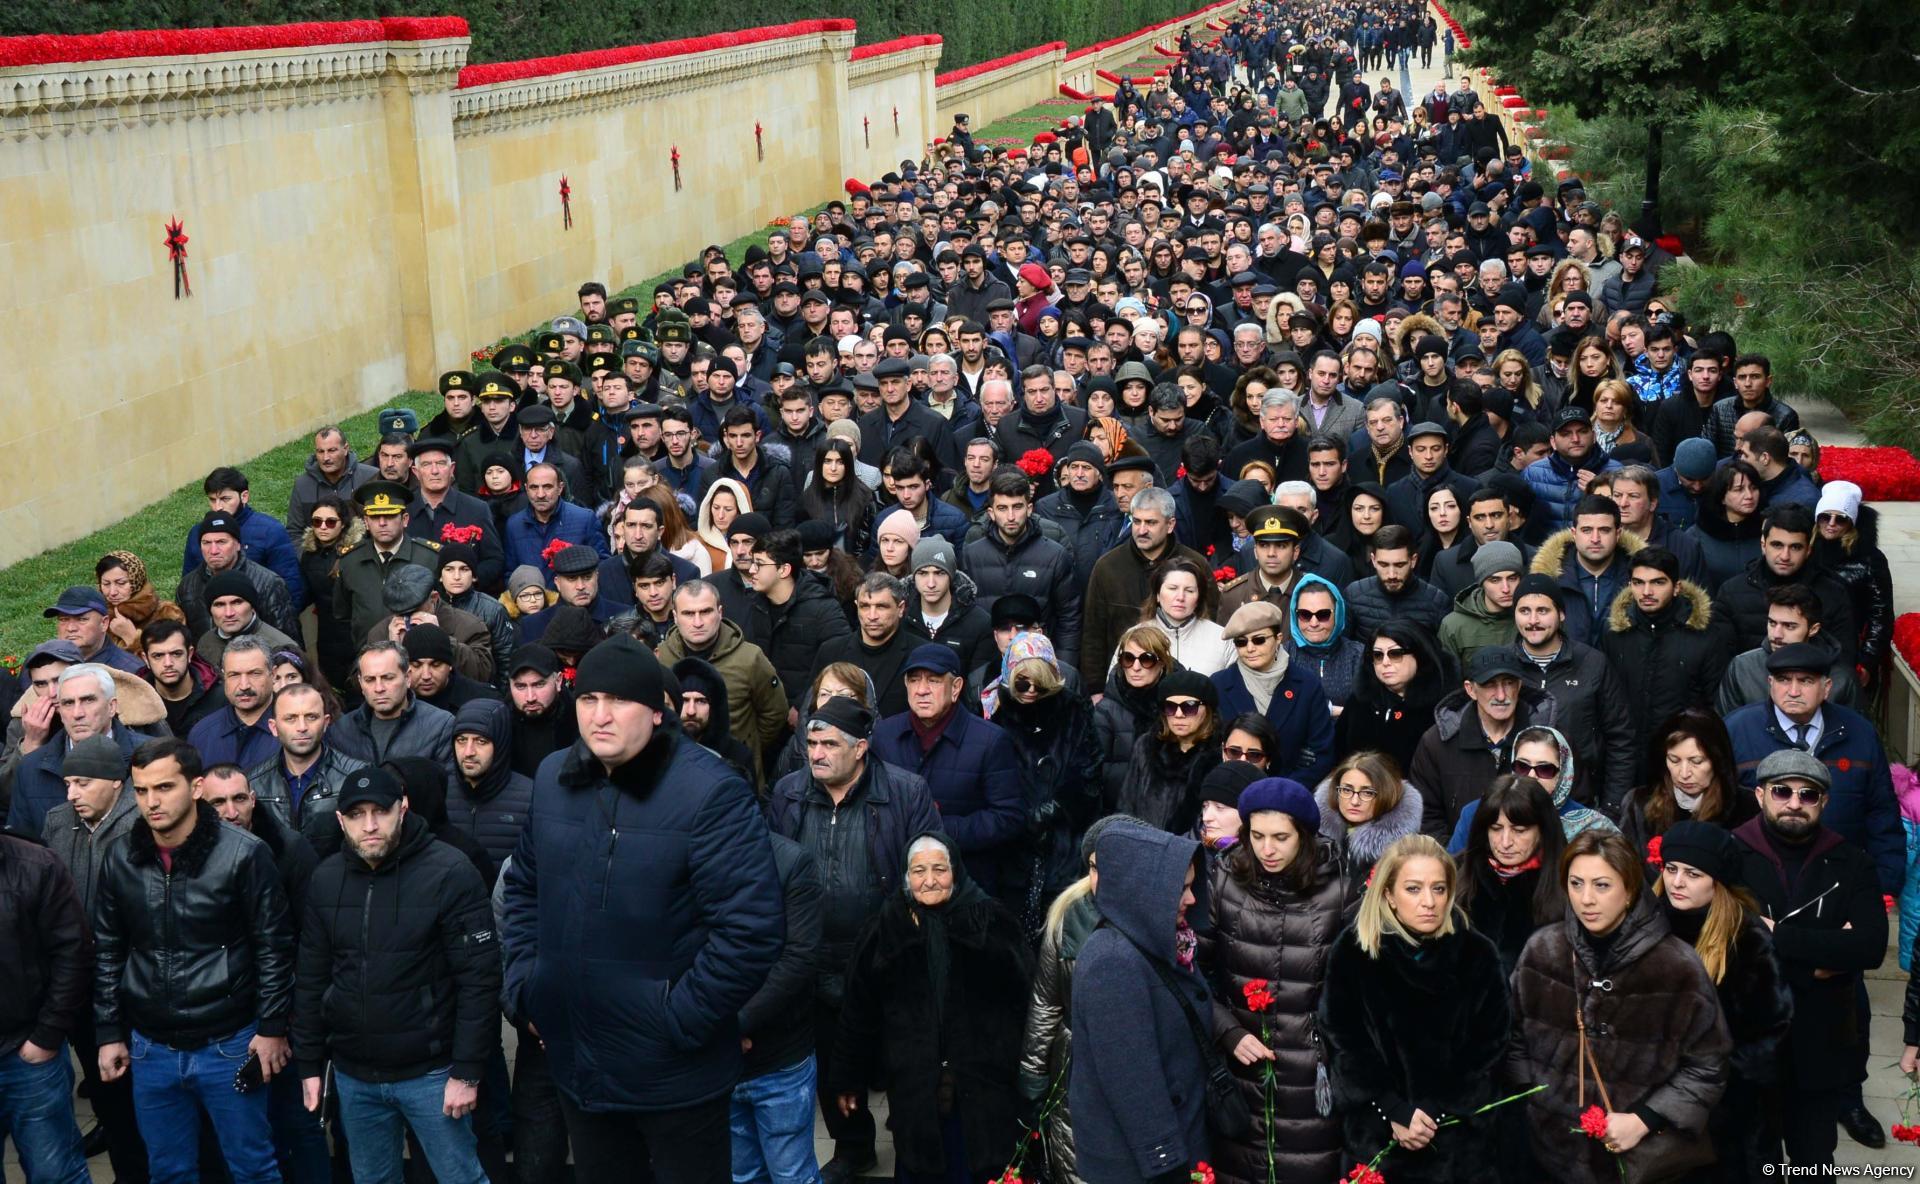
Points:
(563, 369)
(550, 343)
(642, 350)
(570, 326)
(513, 357)
(496, 386)
(602, 362)
(626, 304)
(457, 380)
(669, 331)
(382, 499)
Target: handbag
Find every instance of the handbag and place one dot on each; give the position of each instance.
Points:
(1228, 1115)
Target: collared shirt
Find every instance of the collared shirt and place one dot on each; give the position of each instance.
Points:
(298, 784)
(1816, 728)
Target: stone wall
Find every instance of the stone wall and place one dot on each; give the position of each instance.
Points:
(363, 209)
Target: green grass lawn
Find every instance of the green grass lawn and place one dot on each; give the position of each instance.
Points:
(158, 532)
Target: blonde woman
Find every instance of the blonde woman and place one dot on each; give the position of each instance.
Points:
(1415, 1020)
(1614, 404)
(1569, 275)
(1515, 376)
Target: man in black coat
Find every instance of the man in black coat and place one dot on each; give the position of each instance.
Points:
(1663, 631)
(883, 643)
(398, 985)
(490, 799)
(901, 416)
(198, 984)
(793, 615)
(1786, 557)
(941, 604)
(1589, 696)
(543, 718)
(1014, 558)
(1820, 896)
(1394, 591)
(46, 959)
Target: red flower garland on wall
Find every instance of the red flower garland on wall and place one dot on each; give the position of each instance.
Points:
(1906, 639)
(1883, 474)
(44, 49)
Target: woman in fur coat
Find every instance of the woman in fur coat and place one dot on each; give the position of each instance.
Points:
(1365, 806)
(1615, 1012)
(1277, 897)
(1415, 1020)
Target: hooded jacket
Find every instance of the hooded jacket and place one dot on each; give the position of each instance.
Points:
(1138, 1090)
(699, 676)
(193, 954)
(967, 629)
(492, 810)
(1655, 1033)
(1557, 559)
(1336, 661)
(1556, 485)
(638, 921)
(1474, 625)
(1677, 656)
(399, 969)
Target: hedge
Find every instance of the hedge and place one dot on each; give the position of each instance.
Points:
(507, 30)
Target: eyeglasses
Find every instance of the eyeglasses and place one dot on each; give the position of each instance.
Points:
(1144, 661)
(316, 520)
(1241, 643)
(1357, 793)
(1182, 707)
(1392, 655)
(1788, 793)
(1545, 769)
(1253, 756)
(1313, 616)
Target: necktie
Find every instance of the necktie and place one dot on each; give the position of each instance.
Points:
(1800, 736)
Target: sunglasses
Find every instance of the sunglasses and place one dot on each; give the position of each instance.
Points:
(1313, 616)
(316, 520)
(1144, 661)
(1835, 518)
(1545, 769)
(1253, 756)
(1392, 655)
(1788, 793)
(1182, 707)
(1241, 643)
(1024, 686)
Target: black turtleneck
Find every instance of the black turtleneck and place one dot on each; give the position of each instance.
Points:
(1793, 856)
(1686, 924)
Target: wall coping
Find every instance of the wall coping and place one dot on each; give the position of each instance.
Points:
(892, 63)
(489, 73)
(1000, 63)
(1170, 22)
(897, 45)
(47, 49)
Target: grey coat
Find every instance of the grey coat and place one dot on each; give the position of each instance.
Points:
(84, 850)
(424, 730)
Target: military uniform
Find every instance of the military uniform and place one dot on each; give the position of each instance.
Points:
(363, 570)
(470, 457)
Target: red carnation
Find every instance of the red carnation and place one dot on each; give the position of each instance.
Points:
(1653, 852)
(1906, 1134)
(1593, 1122)
(469, 535)
(1886, 902)
(1202, 1173)
(1222, 574)
(1362, 1174)
(1259, 998)
(552, 549)
(1036, 462)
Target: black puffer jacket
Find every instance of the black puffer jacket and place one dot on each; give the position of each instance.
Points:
(1162, 786)
(1264, 931)
(1676, 657)
(492, 810)
(1741, 605)
(1119, 719)
(399, 964)
(1369, 606)
(1037, 566)
(195, 954)
(1421, 1027)
(1864, 574)
(794, 633)
(1654, 1032)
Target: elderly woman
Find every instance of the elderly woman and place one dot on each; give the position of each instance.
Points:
(1265, 679)
(1613, 1011)
(123, 583)
(1317, 638)
(934, 1012)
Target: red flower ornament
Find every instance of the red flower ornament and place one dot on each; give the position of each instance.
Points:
(1036, 462)
(1593, 1123)
(553, 549)
(1363, 1174)
(1653, 852)
(1258, 997)
(450, 533)
(1202, 1173)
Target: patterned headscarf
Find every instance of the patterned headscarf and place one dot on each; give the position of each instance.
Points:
(135, 567)
(1115, 433)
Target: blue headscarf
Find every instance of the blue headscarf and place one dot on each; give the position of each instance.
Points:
(1309, 580)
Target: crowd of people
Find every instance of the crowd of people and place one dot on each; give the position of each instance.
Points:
(1316, 656)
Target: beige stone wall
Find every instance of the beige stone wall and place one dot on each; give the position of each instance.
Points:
(995, 93)
(877, 88)
(279, 163)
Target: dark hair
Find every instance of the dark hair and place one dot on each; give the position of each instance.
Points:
(654, 567)
(1709, 731)
(1299, 877)
(592, 288)
(184, 754)
(160, 629)
(1201, 453)
(1761, 360)
(1659, 333)
(739, 417)
(1524, 802)
(1659, 559)
(1009, 483)
(1797, 596)
(1391, 538)
(1770, 440)
(1433, 677)
(225, 479)
(1791, 517)
(1259, 725)
(905, 463)
(1332, 444)
(783, 547)
(1593, 503)
(677, 414)
(1611, 846)
(1486, 493)
(226, 769)
(1202, 578)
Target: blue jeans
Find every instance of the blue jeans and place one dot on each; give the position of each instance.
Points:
(36, 1108)
(377, 1115)
(772, 1124)
(170, 1089)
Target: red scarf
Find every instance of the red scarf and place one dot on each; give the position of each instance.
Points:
(1508, 873)
(930, 733)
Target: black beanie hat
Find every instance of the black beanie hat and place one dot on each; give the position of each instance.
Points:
(623, 668)
(1190, 684)
(429, 641)
(1224, 781)
(231, 583)
(459, 553)
(1703, 845)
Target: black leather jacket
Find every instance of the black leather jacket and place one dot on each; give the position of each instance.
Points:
(192, 955)
(268, 781)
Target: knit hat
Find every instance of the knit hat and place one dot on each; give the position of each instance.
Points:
(1225, 781)
(430, 642)
(231, 583)
(1254, 616)
(933, 552)
(459, 553)
(1694, 458)
(524, 577)
(1287, 796)
(1535, 584)
(899, 522)
(623, 668)
(845, 714)
(844, 429)
(1188, 684)
(753, 524)
(1703, 845)
(1087, 452)
(1491, 559)
(97, 757)
(1842, 497)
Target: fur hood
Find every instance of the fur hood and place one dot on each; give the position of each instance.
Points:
(191, 855)
(140, 705)
(1414, 326)
(1363, 845)
(1699, 612)
(356, 530)
(1551, 558)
